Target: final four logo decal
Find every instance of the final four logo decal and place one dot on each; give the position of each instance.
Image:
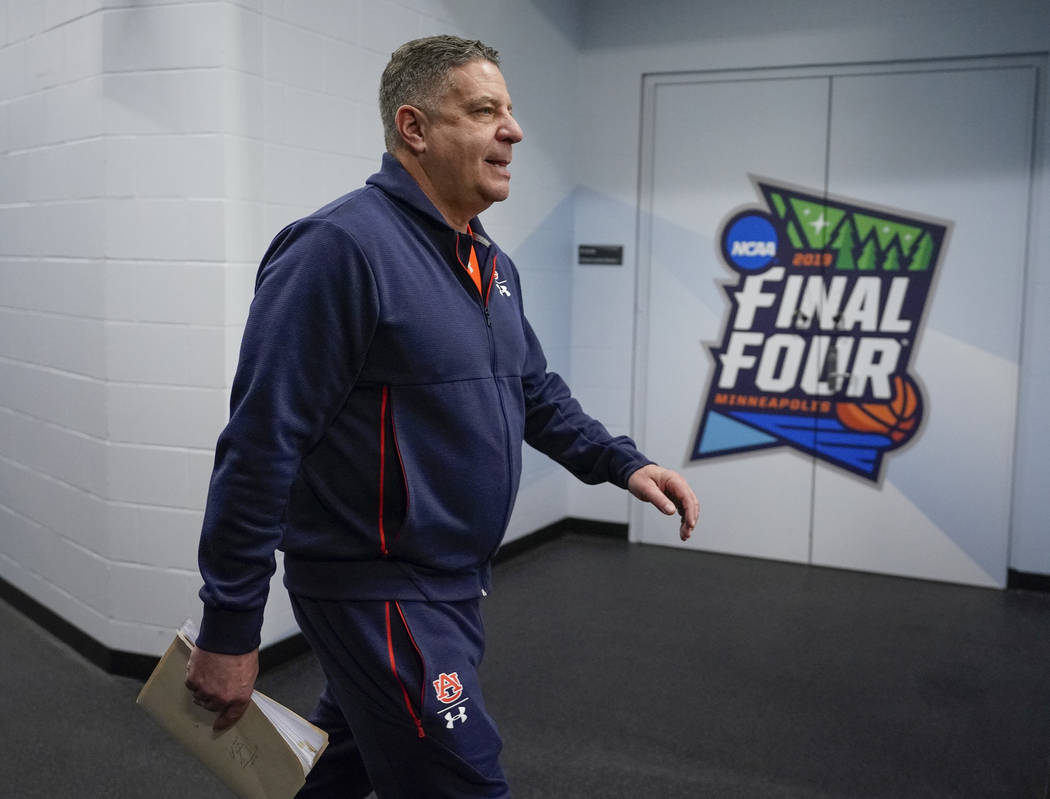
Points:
(825, 312)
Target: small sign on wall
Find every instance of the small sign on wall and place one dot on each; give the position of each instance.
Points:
(605, 254)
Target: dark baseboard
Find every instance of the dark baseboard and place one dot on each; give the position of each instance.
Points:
(530, 541)
(113, 661)
(275, 654)
(138, 666)
(555, 531)
(592, 527)
(1027, 581)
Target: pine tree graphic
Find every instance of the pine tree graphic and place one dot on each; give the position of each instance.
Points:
(867, 260)
(892, 262)
(843, 245)
(920, 261)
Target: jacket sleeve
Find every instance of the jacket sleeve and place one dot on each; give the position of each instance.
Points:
(557, 426)
(309, 327)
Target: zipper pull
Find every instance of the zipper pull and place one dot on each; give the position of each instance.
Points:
(488, 316)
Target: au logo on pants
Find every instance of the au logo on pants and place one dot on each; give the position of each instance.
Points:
(448, 688)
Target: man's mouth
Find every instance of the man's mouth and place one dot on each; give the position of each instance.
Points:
(502, 167)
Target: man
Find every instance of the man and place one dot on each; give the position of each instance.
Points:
(383, 392)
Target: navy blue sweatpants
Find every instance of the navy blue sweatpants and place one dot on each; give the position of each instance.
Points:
(403, 706)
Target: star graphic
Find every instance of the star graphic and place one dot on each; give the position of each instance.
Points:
(819, 223)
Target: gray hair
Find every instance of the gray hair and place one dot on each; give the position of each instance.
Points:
(419, 75)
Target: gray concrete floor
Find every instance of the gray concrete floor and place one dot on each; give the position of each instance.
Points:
(625, 671)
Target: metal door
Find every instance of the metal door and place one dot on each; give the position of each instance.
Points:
(878, 348)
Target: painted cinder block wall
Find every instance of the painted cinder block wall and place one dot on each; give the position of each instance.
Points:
(150, 149)
(148, 152)
(621, 41)
(120, 266)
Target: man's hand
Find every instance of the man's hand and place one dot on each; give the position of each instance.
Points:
(668, 491)
(222, 683)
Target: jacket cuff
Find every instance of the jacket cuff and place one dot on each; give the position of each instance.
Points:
(623, 474)
(230, 632)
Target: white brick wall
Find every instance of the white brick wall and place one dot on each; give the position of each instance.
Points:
(118, 149)
(149, 149)
(52, 306)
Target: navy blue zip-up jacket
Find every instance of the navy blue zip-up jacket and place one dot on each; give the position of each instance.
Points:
(377, 415)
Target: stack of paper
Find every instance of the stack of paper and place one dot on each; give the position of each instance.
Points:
(265, 755)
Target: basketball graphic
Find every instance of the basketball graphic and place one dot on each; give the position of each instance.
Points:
(898, 418)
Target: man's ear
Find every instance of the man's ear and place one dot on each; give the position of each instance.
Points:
(411, 125)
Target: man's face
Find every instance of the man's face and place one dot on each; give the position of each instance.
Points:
(468, 144)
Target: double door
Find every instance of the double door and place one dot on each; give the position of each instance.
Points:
(831, 265)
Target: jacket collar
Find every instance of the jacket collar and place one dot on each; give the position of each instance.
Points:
(394, 180)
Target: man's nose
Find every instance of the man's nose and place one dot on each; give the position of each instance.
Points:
(511, 131)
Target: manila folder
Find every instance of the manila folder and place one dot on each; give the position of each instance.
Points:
(257, 758)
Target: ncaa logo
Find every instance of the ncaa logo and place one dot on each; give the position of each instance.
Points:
(448, 688)
(749, 241)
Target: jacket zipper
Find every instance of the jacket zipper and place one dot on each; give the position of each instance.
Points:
(382, 467)
(502, 405)
(484, 303)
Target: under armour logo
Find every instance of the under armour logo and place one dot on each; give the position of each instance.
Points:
(452, 719)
